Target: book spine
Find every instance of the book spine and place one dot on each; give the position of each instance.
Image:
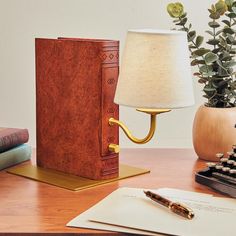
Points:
(110, 134)
(13, 139)
(15, 156)
(110, 167)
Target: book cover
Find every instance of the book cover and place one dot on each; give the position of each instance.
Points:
(15, 156)
(12, 137)
(75, 87)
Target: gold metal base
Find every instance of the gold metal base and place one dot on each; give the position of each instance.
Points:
(71, 182)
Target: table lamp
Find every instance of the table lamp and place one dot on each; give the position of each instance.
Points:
(155, 76)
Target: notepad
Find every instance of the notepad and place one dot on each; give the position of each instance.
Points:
(128, 210)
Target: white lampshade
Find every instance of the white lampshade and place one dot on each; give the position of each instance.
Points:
(155, 70)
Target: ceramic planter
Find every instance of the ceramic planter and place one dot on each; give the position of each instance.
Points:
(214, 131)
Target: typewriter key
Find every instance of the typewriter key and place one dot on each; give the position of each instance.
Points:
(234, 157)
(223, 161)
(232, 173)
(211, 166)
(230, 163)
(230, 155)
(218, 168)
(219, 155)
(225, 170)
(234, 167)
(234, 148)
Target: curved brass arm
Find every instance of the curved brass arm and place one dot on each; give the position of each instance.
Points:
(151, 132)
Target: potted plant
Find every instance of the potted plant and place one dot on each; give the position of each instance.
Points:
(213, 128)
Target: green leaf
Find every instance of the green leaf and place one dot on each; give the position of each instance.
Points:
(231, 41)
(221, 7)
(199, 41)
(213, 41)
(175, 10)
(234, 9)
(213, 8)
(216, 50)
(209, 90)
(205, 69)
(209, 32)
(231, 15)
(210, 10)
(215, 84)
(226, 22)
(230, 38)
(182, 22)
(183, 29)
(229, 3)
(191, 35)
(233, 85)
(200, 52)
(214, 15)
(210, 57)
(218, 32)
(197, 74)
(231, 63)
(202, 81)
(228, 31)
(232, 51)
(223, 84)
(223, 42)
(194, 62)
(192, 46)
(221, 71)
(225, 56)
(230, 70)
(209, 74)
(197, 62)
(213, 24)
(206, 96)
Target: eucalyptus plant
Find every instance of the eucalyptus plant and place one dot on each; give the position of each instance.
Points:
(216, 60)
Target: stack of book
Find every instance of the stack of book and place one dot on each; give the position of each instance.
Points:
(13, 147)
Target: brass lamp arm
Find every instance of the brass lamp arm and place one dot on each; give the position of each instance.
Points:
(130, 136)
(151, 132)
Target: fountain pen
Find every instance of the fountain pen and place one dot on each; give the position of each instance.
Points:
(175, 207)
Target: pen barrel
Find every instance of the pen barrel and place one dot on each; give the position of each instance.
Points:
(159, 199)
(181, 210)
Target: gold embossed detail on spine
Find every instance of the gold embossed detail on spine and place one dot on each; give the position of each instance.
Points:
(109, 135)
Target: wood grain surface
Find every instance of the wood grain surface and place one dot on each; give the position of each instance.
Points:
(34, 207)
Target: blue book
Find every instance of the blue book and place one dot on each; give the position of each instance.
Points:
(15, 156)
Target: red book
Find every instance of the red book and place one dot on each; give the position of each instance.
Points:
(12, 137)
(75, 86)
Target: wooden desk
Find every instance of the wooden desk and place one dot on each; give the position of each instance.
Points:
(30, 206)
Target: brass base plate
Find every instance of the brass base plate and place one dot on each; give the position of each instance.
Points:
(71, 182)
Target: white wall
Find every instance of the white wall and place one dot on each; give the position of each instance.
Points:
(23, 20)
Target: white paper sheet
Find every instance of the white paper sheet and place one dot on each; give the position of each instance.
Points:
(130, 208)
(82, 220)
